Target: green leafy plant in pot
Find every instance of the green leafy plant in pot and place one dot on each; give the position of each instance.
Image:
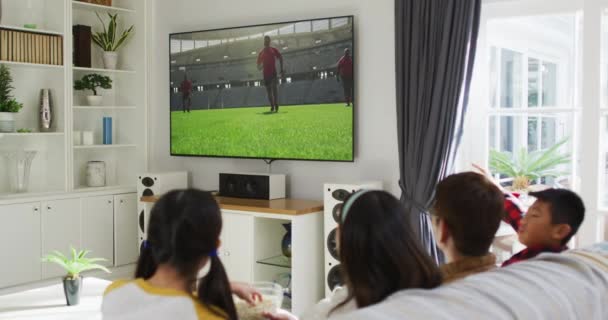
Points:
(528, 166)
(109, 41)
(8, 105)
(74, 265)
(93, 82)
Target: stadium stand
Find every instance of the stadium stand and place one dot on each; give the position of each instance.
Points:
(306, 55)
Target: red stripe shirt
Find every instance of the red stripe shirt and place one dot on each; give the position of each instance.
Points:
(513, 216)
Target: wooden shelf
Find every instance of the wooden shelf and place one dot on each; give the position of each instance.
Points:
(32, 65)
(40, 31)
(104, 107)
(286, 206)
(103, 70)
(105, 146)
(94, 7)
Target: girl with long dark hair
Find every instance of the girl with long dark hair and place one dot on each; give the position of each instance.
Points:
(379, 256)
(183, 236)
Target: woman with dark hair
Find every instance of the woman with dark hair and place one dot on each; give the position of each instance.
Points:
(183, 236)
(379, 256)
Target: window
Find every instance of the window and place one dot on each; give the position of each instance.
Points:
(287, 29)
(304, 26)
(339, 22)
(541, 76)
(603, 198)
(187, 45)
(526, 115)
(200, 44)
(318, 25)
(175, 46)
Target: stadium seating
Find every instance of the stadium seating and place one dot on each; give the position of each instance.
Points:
(235, 63)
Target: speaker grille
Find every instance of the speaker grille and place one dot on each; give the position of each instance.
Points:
(244, 186)
(148, 193)
(340, 194)
(332, 244)
(336, 212)
(147, 182)
(334, 278)
(141, 222)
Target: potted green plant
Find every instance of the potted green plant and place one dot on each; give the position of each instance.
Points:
(8, 105)
(74, 266)
(109, 42)
(93, 82)
(527, 166)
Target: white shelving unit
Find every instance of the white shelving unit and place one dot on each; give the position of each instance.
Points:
(59, 167)
(100, 70)
(125, 102)
(31, 65)
(102, 219)
(91, 108)
(30, 30)
(31, 134)
(105, 146)
(96, 7)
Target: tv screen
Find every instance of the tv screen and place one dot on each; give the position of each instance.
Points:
(272, 91)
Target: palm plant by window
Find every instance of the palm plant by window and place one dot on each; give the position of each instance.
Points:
(525, 166)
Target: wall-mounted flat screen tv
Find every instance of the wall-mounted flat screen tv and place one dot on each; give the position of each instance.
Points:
(272, 91)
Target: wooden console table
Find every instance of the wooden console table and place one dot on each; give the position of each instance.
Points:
(278, 206)
(251, 244)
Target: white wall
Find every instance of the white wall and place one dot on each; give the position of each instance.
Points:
(376, 128)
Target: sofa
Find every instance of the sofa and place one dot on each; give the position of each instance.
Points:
(571, 285)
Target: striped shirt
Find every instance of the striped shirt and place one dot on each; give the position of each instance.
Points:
(138, 299)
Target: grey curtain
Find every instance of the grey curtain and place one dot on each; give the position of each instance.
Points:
(435, 49)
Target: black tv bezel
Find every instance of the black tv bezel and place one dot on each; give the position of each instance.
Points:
(354, 98)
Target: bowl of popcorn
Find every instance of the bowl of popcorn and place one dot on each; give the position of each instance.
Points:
(272, 298)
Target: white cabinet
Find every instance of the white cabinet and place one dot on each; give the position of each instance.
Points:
(98, 227)
(19, 243)
(126, 250)
(236, 249)
(60, 231)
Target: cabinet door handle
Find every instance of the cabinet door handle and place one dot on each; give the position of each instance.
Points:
(121, 201)
(110, 201)
(35, 209)
(227, 254)
(48, 207)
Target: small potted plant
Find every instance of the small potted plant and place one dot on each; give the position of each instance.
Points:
(528, 166)
(75, 265)
(109, 42)
(93, 82)
(8, 105)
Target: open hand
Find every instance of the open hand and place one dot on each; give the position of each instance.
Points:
(246, 292)
(481, 169)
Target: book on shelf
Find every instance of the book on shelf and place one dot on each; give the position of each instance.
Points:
(30, 47)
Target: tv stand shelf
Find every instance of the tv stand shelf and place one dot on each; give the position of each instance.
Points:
(286, 206)
(251, 244)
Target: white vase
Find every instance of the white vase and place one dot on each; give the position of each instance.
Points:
(94, 100)
(96, 174)
(7, 122)
(110, 59)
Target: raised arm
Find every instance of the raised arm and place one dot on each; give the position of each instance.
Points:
(513, 207)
